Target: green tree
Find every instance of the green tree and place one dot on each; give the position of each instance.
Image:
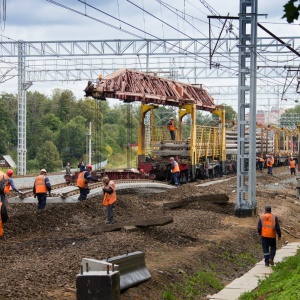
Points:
(291, 11)
(37, 107)
(8, 122)
(291, 117)
(51, 121)
(48, 157)
(230, 113)
(71, 139)
(64, 103)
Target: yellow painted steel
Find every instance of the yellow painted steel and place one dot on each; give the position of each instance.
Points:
(141, 127)
(221, 114)
(205, 141)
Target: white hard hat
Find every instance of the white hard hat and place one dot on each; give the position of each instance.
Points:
(43, 170)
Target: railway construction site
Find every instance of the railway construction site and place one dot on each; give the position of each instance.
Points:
(41, 253)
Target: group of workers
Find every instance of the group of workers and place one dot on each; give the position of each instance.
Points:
(42, 188)
(260, 162)
(109, 190)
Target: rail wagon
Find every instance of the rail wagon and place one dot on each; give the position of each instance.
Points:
(207, 150)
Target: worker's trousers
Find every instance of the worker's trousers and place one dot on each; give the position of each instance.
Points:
(269, 248)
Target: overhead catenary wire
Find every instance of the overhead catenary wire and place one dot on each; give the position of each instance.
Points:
(54, 2)
(202, 1)
(178, 48)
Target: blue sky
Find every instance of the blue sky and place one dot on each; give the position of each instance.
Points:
(42, 20)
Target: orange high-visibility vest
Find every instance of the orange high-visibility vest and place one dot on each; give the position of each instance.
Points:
(268, 225)
(7, 185)
(40, 185)
(292, 163)
(270, 161)
(81, 181)
(110, 199)
(1, 223)
(172, 126)
(176, 167)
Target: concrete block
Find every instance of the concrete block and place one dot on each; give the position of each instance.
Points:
(98, 285)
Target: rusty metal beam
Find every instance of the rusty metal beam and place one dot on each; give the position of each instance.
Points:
(130, 85)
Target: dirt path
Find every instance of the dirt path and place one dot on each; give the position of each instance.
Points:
(41, 253)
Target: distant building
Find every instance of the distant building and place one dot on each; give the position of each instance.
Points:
(6, 161)
(268, 117)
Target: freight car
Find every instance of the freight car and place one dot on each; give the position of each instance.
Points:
(270, 140)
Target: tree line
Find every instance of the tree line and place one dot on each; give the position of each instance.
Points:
(57, 128)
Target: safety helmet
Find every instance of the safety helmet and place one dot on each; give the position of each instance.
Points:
(171, 118)
(90, 167)
(43, 171)
(10, 172)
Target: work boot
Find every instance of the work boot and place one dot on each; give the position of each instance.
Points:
(271, 261)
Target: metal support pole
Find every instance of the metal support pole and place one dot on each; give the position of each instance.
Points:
(246, 162)
(21, 110)
(90, 143)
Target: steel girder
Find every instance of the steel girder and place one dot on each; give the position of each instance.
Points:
(183, 59)
(130, 85)
(128, 47)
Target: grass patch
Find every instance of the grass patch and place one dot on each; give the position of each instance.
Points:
(193, 286)
(239, 259)
(282, 284)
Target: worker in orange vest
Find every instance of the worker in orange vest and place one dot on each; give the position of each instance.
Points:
(109, 198)
(171, 126)
(41, 187)
(293, 166)
(83, 182)
(270, 163)
(268, 226)
(175, 171)
(3, 217)
(8, 184)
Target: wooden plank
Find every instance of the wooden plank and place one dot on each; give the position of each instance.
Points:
(266, 193)
(213, 198)
(161, 221)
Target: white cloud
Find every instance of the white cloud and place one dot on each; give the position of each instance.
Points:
(34, 20)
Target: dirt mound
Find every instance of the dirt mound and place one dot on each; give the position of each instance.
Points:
(41, 252)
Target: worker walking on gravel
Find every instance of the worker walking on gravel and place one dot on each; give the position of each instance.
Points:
(293, 166)
(268, 226)
(41, 187)
(171, 126)
(109, 198)
(3, 217)
(175, 171)
(6, 183)
(83, 182)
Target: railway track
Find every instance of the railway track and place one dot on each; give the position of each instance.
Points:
(68, 193)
